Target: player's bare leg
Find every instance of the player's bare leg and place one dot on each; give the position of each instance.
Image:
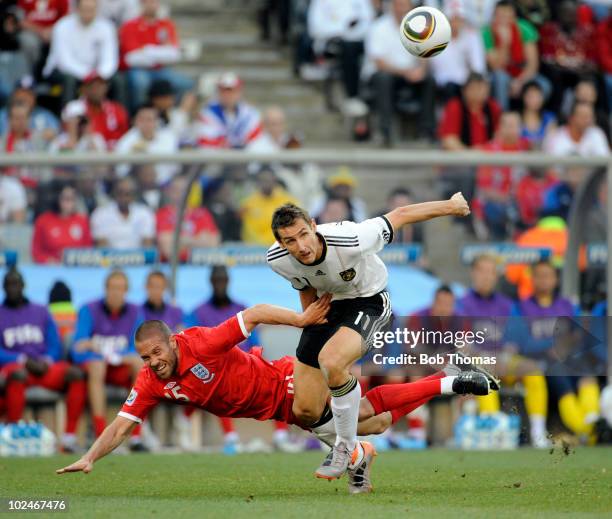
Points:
(311, 394)
(335, 360)
(96, 376)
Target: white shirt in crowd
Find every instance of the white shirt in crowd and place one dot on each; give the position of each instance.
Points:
(479, 12)
(346, 19)
(79, 50)
(464, 54)
(12, 197)
(383, 42)
(164, 141)
(119, 11)
(593, 142)
(107, 223)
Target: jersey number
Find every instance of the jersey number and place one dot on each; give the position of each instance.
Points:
(175, 393)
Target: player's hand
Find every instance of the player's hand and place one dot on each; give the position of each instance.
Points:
(82, 465)
(316, 312)
(84, 345)
(459, 205)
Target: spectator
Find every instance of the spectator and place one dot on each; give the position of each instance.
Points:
(228, 121)
(567, 51)
(41, 119)
(118, 11)
(302, 182)
(63, 311)
(81, 44)
(537, 122)
(345, 25)
(60, 228)
(443, 305)
(494, 204)
(123, 223)
(530, 193)
(465, 53)
(334, 210)
(579, 136)
(411, 233)
(145, 176)
(13, 200)
(585, 91)
(604, 52)
(257, 209)
(559, 197)
(390, 69)
(512, 53)
(342, 185)
(37, 25)
(178, 119)
(104, 347)
(13, 64)
(198, 228)
(535, 12)
(155, 307)
(218, 201)
(283, 11)
(108, 118)
(471, 119)
(481, 11)
(149, 44)
(31, 355)
(78, 134)
(19, 138)
(91, 189)
(147, 137)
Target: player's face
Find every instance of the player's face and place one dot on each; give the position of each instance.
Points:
(116, 288)
(484, 277)
(159, 355)
(156, 286)
(301, 240)
(13, 287)
(544, 280)
(443, 305)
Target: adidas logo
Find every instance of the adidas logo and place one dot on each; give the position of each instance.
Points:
(319, 273)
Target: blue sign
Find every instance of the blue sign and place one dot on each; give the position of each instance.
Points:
(109, 257)
(231, 255)
(8, 258)
(597, 255)
(506, 253)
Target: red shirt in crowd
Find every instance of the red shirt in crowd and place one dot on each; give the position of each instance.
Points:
(54, 233)
(604, 44)
(44, 13)
(530, 196)
(571, 51)
(452, 122)
(196, 221)
(110, 120)
(137, 33)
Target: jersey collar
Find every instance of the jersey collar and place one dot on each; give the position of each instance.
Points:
(185, 362)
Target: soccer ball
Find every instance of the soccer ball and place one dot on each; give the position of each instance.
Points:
(425, 32)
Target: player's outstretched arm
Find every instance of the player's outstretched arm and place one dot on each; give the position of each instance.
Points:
(270, 314)
(414, 213)
(108, 441)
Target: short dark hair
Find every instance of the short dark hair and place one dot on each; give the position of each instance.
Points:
(578, 104)
(400, 191)
(286, 215)
(152, 329)
(544, 263)
(505, 3)
(444, 289)
(116, 273)
(156, 273)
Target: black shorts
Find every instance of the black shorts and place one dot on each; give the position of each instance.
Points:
(365, 315)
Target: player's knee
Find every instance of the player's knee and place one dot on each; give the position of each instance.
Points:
(74, 373)
(306, 414)
(331, 364)
(96, 372)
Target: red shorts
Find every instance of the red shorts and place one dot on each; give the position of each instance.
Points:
(120, 375)
(54, 379)
(284, 395)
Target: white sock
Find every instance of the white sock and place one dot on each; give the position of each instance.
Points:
(231, 437)
(446, 385)
(326, 432)
(281, 435)
(69, 439)
(537, 426)
(346, 412)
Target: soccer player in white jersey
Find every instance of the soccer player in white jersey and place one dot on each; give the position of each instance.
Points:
(340, 258)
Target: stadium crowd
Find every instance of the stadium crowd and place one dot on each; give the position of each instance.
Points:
(102, 76)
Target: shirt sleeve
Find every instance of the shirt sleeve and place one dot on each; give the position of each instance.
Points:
(83, 330)
(529, 33)
(219, 339)
(97, 224)
(374, 234)
(147, 229)
(140, 400)
(296, 282)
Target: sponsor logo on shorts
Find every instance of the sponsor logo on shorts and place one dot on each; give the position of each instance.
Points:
(348, 275)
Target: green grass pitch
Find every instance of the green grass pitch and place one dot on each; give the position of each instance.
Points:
(434, 483)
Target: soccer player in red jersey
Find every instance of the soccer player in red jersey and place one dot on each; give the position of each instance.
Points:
(202, 367)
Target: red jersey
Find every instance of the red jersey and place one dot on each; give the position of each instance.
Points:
(110, 120)
(53, 233)
(137, 33)
(452, 122)
(44, 13)
(216, 376)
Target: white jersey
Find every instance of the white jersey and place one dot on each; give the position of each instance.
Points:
(348, 267)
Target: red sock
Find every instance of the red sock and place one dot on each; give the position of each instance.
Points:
(76, 397)
(402, 411)
(15, 400)
(227, 425)
(391, 396)
(136, 431)
(280, 426)
(99, 424)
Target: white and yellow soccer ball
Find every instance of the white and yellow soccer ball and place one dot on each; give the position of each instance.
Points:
(425, 32)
